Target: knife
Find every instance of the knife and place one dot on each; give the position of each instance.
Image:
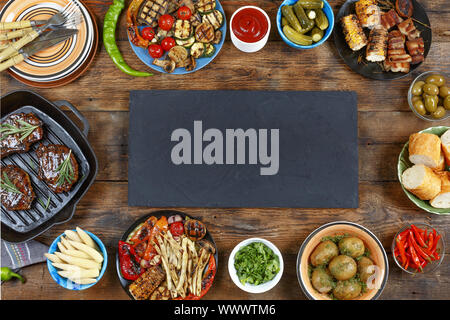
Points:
(49, 35)
(35, 47)
(21, 24)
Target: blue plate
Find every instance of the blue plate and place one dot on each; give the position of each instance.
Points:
(328, 12)
(66, 283)
(201, 62)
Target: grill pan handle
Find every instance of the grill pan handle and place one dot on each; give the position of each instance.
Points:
(83, 120)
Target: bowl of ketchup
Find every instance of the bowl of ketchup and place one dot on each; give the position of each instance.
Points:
(250, 28)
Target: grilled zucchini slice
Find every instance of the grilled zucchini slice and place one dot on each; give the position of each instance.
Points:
(186, 43)
(205, 6)
(183, 29)
(209, 50)
(198, 49)
(204, 32)
(215, 18)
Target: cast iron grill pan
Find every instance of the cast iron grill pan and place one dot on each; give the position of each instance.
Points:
(26, 220)
(20, 226)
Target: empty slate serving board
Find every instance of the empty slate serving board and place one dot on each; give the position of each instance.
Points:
(181, 146)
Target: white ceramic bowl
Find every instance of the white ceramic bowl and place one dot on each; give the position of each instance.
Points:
(250, 287)
(249, 46)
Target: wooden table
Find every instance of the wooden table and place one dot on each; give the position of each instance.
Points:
(385, 122)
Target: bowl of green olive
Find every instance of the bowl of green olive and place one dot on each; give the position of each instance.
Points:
(429, 96)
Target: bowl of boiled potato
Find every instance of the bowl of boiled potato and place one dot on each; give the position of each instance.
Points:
(77, 259)
(429, 96)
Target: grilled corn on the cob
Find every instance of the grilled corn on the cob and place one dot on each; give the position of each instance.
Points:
(369, 14)
(377, 47)
(354, 34)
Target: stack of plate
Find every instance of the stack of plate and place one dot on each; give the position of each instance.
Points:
(63, 63)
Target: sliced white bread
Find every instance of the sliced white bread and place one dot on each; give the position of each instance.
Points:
(422, 182)
(425, 148)
(442, 200)
(441, 166)
(445, 140)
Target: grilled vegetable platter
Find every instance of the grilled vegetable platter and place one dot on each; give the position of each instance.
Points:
(176, 36)
(166, 255)
(382, 39)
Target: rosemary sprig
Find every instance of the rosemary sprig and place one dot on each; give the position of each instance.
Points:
(6, 184)
(65, 171)
(45, 205)
(25, 129)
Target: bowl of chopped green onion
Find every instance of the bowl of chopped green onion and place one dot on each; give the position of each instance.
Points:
(255, 265)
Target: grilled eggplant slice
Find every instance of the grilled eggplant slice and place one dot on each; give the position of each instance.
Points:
(354, 34)
(151, 10)
(177, 54)
(205, 6)
(209, 50)
(195, 19)
(215, 18)
(183, 29)
(204, 32)
(197, 50)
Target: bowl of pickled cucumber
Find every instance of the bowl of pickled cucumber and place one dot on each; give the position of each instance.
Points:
(305, 24)
(429, 96)
(342, 260)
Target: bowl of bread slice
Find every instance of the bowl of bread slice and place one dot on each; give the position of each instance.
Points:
(423, 169)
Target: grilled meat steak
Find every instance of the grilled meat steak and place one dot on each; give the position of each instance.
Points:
(51, 158)
(25, 136)
(16, 190)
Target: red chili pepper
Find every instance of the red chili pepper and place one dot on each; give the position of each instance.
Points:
(418, 249)
(418, 236)
(403, 235)
(414, 256)
(401, 249)
(129, 262)
(430, 240)
(407, 265)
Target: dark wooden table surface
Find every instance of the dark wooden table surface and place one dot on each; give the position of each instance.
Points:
(385, 122)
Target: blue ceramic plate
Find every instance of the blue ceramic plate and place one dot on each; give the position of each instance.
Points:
(145, 57)
(66, 283)
(328, 12)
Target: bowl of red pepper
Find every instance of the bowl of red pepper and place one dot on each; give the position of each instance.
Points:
(418, 248)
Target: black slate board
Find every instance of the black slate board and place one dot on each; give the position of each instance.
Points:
(318, 149)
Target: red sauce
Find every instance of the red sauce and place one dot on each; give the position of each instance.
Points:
(249, 25)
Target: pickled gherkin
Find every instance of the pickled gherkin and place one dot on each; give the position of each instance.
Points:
(288, 13)
(321, 20)
(284, 21)
(316, 34)
(311, 4)
(301, 15)
(297, 37)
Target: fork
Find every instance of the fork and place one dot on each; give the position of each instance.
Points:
(68, 13)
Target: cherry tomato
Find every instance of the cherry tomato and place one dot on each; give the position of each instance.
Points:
(177, 228)
(166, 22)
(148, 33)
(155, 51)
(168, 43)
(184, 13)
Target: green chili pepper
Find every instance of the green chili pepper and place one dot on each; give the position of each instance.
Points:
(7, 274)
(109, 39)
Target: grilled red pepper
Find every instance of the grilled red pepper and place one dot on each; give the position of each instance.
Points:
(130, 266)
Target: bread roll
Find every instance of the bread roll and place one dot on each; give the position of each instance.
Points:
(441, 166)
(425, 148)
(445, 139)
(422, 182)
(442, 200)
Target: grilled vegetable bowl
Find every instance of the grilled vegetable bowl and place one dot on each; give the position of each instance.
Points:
(305, 24)
(255, 265)
(176, 38)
